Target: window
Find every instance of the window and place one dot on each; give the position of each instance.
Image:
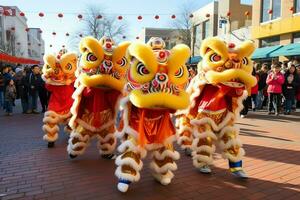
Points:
(297, 6)
(296, 37)
(271, 41)
(276, 7)
(205, 29)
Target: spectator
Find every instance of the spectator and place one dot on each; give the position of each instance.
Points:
(262, 86)
(10, 96)
(43, 94)
(22, 92)
(32, 84)
(274, 81)
(6, 78)
(1, 90)
(298, 88)
(290, 86)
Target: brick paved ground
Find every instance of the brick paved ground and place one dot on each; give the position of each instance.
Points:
(29, 170)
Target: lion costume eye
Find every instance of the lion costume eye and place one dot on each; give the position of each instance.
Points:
(179, 73)
(141, 69)
(215, 57)
(245, 61)
(69, 66)
(91, 57)
(48, 67)
(122, 62)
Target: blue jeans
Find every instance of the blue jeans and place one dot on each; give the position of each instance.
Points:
(288, 105)
(260, 99)
(9, 106)
(32, 101)
(1, 99)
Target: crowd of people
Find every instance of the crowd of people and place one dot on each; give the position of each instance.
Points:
(26, 84)
(277, 89)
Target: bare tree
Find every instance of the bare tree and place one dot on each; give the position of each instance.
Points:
(184, 24)
(98, 24)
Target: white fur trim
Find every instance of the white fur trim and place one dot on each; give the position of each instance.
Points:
(201, 160)
(229, 129)
(166, 153)
(129, 146)
(52, 130)
(126, 176)
(230, 143)
(74, 109)
(233, 158)
(204, 148)
(163, 169)
(164, 179)
(109, 147)
(204, 134)
(48, 138)
(83, 143)
(129, 161)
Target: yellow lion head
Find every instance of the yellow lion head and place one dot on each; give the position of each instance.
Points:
(157, 77)
(60, 69)
(102, 64)
(227, 64)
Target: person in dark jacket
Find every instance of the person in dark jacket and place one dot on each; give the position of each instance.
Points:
(43, 94)
(262, 95)
(32, 84)
(290, 86)
(6, 78)
(22, 92)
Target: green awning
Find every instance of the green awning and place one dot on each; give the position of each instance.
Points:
(265, 52)
(287, 50)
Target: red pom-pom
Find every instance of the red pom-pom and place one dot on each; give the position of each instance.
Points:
(22, 14)
(173, 16)
(80, 16)
(120, 17)
(140, 17)
(41, 14)
(156, 17)
(60, 15)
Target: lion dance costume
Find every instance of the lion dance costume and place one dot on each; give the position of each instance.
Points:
(100, 79)
(217, 92)
(156, 82)
(59, 76)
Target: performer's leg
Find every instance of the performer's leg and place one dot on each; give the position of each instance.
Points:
(163, 163)
(78, 141)
(107, 143)
(203, 147)
(184, 134)
(65, 122)
(50, 127)
(232, 149)
(129, 163)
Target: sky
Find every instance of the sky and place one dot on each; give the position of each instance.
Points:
(129, 9)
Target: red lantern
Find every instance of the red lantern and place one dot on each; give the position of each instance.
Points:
(292, 9)
(120, 17)
(26, 29)
(140, 17)
(99, 17)
(40, 31)
(67, 34)
(124, 37)
(191, 16)
(60, 15)
(40, 45)
(50, 45)
(42, 54)
(207, 15)
(80, 16)
(29, 43)
(41, 14)
(228, 14)
(6, 13)
(13, 28)
(137, 37)
(18, 43)
(80, 35)
(173, 16)
(247, 13)
(270, 11)
(22, 14)
(63, 46)
(53, 33)
(156, 17)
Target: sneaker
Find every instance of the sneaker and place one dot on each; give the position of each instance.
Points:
(35, 112)
(123, 185)
(243, 116)
(188, 152)
(205, 169)
(240, 174)
(277, 114)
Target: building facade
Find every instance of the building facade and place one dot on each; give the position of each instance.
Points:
(16, 38)
(228, 19)
(276, 22)
(170, 36)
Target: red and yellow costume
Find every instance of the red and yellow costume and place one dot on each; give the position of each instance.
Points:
(101, 78)
(59, 75)
(156, 82)
(217, 92)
